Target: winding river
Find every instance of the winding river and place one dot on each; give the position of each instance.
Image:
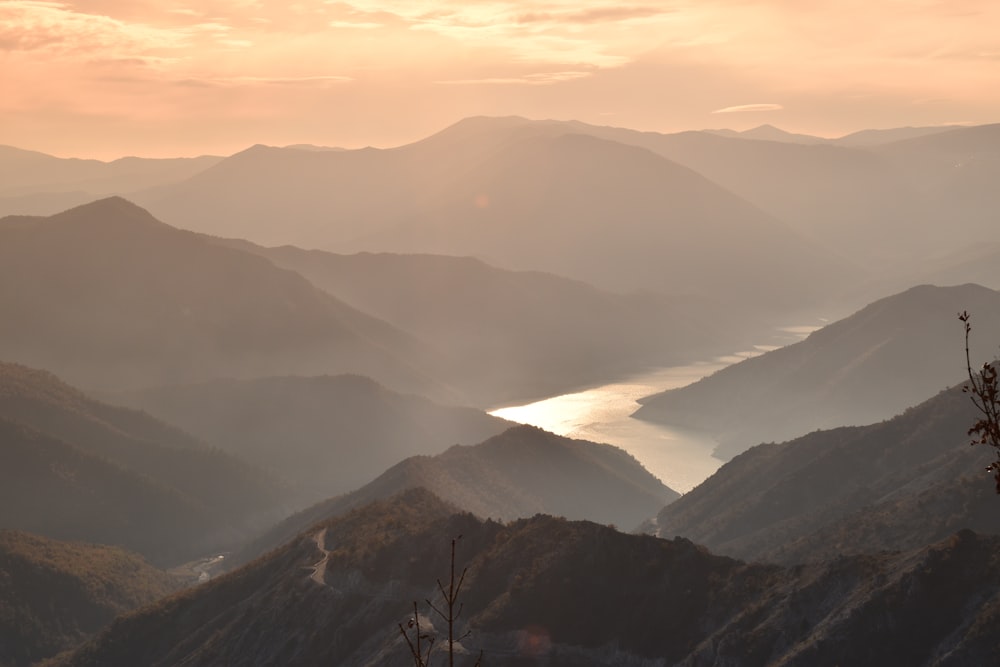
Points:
(680, 459)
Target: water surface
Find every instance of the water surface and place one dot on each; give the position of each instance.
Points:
(682, 459)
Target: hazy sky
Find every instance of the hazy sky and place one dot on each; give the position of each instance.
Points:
(105, 78)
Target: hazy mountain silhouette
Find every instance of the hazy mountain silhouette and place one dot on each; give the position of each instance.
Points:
(617, 216)
(877, 197)
(545, 589)
(33, 183)
(885, 136)
(513, 335)
(520, 195)
(979, 263)
(54, 595)
(108, 297)
(956, 171)
(519, 473)
(867, 367)
(74, 468)
(898, 484)
(327, 435)
(769, 132)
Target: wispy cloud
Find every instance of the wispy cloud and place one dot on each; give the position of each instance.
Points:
(237, 81)
(355, 25)
(750, 107)
(609, 14)
(535, 79)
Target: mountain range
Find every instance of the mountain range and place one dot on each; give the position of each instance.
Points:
(170, 387)
(546, 589)
(876, 196)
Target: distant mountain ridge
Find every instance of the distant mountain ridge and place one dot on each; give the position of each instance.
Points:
(109, 297)
(519, 195)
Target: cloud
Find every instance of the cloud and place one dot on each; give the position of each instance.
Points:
(239, 81)
(750, 107)
(352, 25)
(54, 27)
(535, 79)
(607, 14)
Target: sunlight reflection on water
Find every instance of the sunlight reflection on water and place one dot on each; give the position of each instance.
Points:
(681, 459)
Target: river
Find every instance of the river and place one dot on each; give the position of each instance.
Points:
(681, 459)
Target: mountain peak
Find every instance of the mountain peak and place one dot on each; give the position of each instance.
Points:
(111, 213)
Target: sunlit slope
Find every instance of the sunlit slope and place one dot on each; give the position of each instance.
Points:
(866, 367)
(325, 435)
(572, 592)
(108, 297)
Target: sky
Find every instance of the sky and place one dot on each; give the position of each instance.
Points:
(109, 78)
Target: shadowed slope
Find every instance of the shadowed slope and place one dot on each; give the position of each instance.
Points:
(516, 335)
(568, 593)
(898, 484)
(327, 435)
(108, 297)
(866, 367)
(53, 595)
(75, 468)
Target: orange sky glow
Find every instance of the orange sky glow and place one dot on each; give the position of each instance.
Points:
(107, 78)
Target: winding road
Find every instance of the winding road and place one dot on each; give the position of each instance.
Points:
(319, 569)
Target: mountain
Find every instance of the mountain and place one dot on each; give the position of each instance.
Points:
(560, 592)
(520, 195)
(108, 297)
(54, 595)
(898, 484)
(885, 136)
(768, 132)
(869, 366)
(519, 334)
(327, 435)
(33, 183)
(77, 469)
(521, 472)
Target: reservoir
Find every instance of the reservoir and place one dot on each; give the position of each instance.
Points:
(681, 459)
